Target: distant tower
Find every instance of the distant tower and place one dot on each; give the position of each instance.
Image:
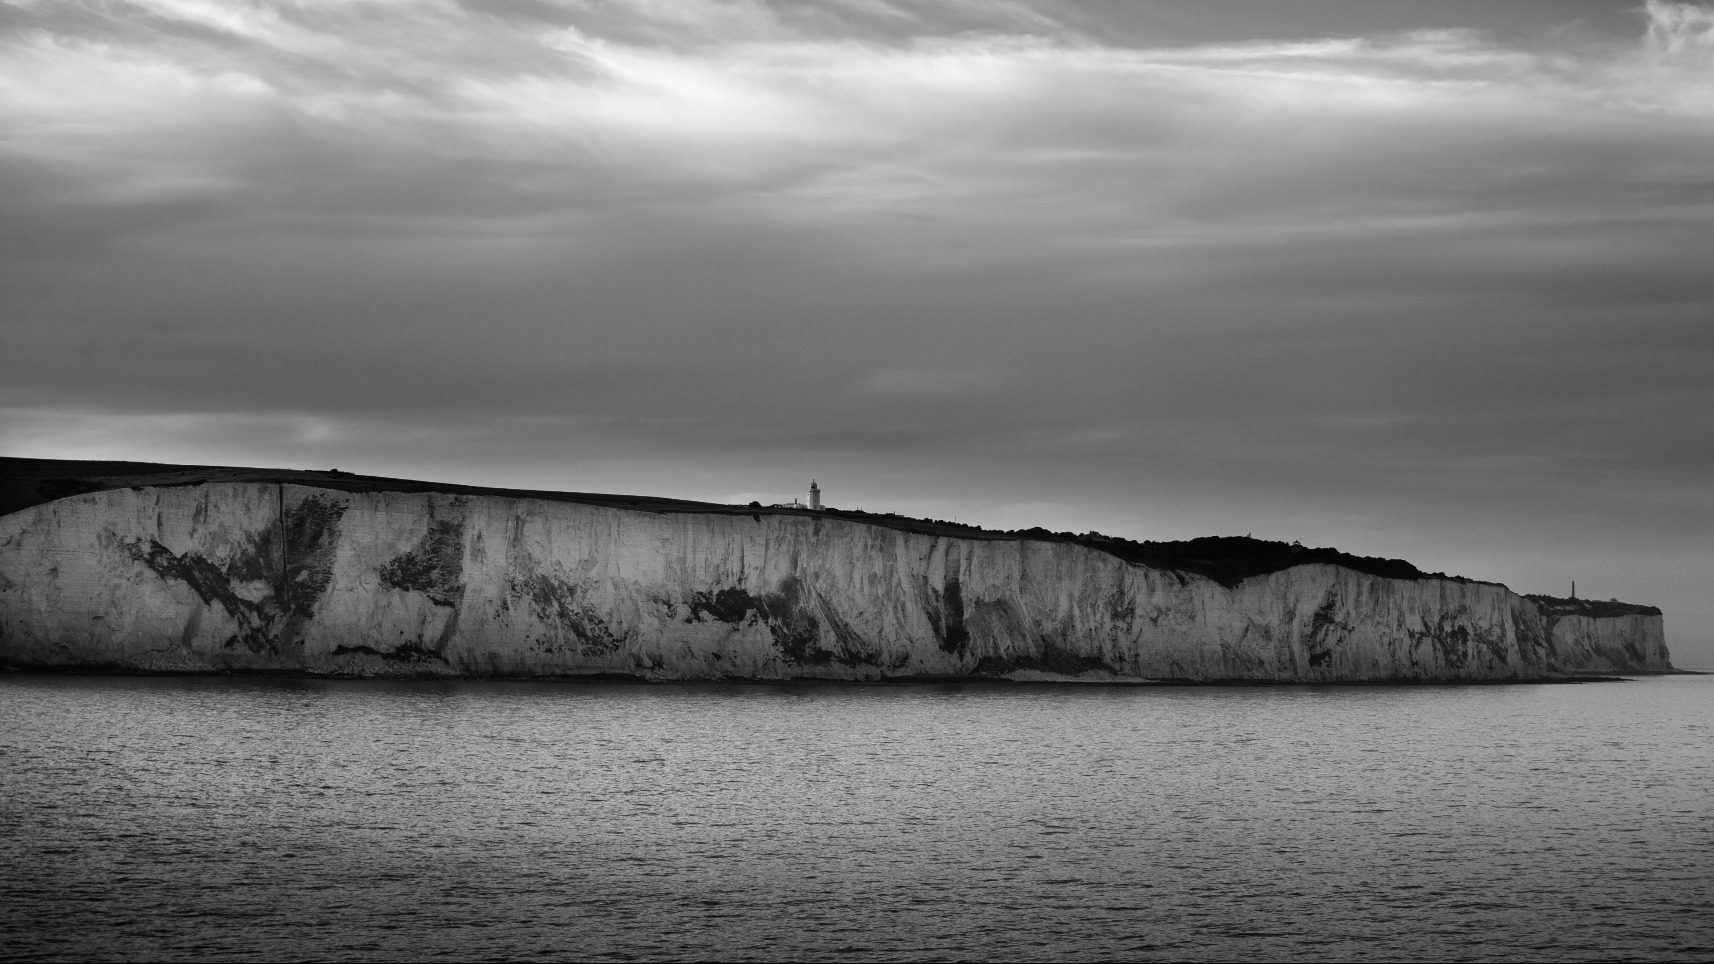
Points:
(1573, 589)
(814, 495)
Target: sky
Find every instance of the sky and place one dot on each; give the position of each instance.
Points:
(1426, 280)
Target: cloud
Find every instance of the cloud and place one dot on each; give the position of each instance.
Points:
(383, 113)
(1680, 32)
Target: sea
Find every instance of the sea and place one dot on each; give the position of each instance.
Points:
(246, 819)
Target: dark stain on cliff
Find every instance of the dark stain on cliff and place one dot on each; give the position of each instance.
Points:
(796, 630)
(1454, 645)
(945, 606)
(1244, 658)
(955, 639)
(1634, 650)
(312, 539)
(1122, 605)
(1055, 657)
(558, 602)
(1495, 644)
(734, 606)
(794, 623)
(408, 653)
(295, 557)
(1326, 630)
(854, 649)
(435, 567)
(214, 587)
(1531, 627)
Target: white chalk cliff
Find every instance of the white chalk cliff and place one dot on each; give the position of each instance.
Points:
(267, 576)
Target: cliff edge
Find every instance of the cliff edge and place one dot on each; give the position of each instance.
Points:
(195, 569)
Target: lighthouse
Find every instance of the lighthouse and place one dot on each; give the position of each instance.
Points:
(814, 496)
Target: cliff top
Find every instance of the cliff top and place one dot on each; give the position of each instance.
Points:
(25, 482)
(1593, 608)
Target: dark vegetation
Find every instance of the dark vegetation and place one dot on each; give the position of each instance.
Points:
(732, 605)
(434, 567)
(296, 561)
(27, 482)
(791, 618)
(311, 532)
(1593, 608)
(213, 586)
(561, 603)
(1230, 560)
(1225, 559)
(1053, 659)
(408, 653)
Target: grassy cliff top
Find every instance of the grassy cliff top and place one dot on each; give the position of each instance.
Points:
(1594, 608)
(1225, 559)
(26, 482)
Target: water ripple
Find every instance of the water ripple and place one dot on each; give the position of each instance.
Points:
(221, 819)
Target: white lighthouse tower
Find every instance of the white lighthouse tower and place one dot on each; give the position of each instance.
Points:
(814, 496)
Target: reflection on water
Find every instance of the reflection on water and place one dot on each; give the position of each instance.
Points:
(206, 818)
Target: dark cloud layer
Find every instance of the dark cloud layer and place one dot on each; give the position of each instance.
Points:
(1423, 280)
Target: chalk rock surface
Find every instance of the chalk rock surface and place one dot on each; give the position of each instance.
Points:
(266, 576)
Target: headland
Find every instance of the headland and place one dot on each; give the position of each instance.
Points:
(124, 566)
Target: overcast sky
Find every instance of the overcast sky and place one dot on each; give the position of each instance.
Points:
(1428, 280)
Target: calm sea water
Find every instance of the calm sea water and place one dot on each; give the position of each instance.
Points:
(223, 819)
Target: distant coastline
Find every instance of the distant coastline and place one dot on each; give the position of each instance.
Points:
(171, 568)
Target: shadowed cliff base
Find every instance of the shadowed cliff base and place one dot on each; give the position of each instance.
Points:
(1043, 680)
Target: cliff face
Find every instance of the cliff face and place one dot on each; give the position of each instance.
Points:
(274, 576)
(1602, 637)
